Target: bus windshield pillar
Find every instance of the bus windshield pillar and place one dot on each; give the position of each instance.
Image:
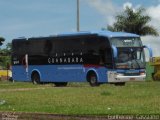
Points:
(115, 51)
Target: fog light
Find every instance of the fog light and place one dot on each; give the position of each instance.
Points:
(142, 73)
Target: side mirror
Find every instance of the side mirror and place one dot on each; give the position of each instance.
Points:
(150, 50)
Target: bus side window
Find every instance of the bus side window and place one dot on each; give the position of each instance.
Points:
(108, 57)
(48, 47)
(102, 57)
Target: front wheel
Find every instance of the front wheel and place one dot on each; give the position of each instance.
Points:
(36, 78)
(92, 79)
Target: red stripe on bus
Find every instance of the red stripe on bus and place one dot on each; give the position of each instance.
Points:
(91, 65)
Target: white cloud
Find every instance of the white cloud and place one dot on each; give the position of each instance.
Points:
(153, 42)
(109, 9)
(127, 4)
(106, 8)
(130, 5)
(154, 12)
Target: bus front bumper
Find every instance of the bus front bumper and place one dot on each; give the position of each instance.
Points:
(113, 77)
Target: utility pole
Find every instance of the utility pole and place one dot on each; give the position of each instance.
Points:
(78, 22)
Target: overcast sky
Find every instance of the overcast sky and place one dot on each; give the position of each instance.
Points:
(32, 18)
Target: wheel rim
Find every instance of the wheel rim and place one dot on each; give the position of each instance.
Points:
(93, 79)
(36, 79)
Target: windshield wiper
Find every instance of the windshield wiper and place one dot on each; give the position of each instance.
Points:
(137, 64)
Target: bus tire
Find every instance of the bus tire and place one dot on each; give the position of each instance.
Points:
(120, 84)
(60, 84)
(92, 79)
(10, 79)
(35, 78)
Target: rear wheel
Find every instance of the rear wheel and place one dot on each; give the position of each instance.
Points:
(92, 79)
(36, 78)
(60, 84)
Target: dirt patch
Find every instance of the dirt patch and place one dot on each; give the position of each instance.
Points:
(43, 116)
(48, 116)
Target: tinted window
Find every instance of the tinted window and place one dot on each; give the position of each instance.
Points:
(92, 49)
(126, 41)
(39, 46)
(19, 47)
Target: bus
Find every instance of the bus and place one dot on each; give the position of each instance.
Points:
(94, 57)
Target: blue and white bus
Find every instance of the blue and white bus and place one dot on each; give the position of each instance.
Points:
(94, 57)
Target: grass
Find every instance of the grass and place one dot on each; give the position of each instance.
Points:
(80, 98)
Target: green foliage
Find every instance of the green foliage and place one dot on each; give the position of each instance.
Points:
(133, 22)
(134, 98)
(7, 50)
(5, 61)
(5, 56)
(1, 40)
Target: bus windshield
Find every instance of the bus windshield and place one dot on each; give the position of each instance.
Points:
(130, 53)
(126, 42)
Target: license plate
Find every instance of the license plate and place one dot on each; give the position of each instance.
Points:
(132, 79)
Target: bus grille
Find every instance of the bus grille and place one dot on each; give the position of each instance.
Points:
(131, 74)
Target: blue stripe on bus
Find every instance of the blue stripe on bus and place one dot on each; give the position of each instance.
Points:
(59, 73)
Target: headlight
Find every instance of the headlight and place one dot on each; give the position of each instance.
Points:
(120, 74)
(122, 66)
(142, 73)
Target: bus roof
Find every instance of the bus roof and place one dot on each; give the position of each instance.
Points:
(116, 34)
(103, 33)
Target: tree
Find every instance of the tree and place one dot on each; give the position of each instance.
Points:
(5, 56)
(8, 48)
(133, 22)
(1, 40)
